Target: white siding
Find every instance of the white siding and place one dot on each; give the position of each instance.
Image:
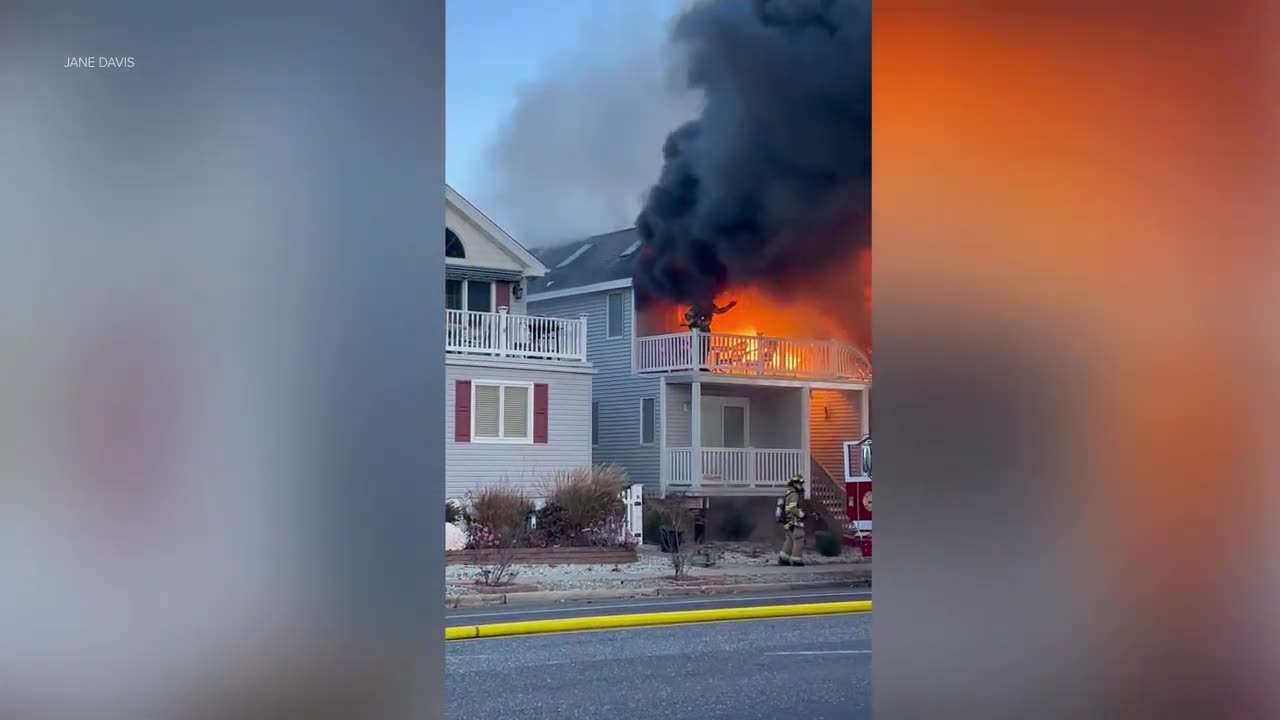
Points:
(469, 466)
(482, 252)
(615, 387)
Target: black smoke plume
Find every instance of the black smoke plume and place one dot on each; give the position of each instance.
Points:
(772, 183)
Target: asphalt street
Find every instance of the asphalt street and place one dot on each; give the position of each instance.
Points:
(510, 613)
(816, 668)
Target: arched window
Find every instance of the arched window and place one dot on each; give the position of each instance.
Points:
(452, 245)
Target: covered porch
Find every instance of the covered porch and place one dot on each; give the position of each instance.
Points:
(733, 437)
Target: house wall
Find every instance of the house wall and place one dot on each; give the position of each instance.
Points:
(470, 466)
(827, 435)
(615, 386)
(679, 420)
(774, 416)
(481, 251)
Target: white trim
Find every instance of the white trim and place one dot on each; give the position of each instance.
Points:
(595, 423)
(654, 425)
(635, 319)
(718, 379)
(621, 284)
(502, 395)
(534, 267)
(622, 301)
(492, 362)
(662, 437)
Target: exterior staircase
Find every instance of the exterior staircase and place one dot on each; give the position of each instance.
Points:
(831, 500)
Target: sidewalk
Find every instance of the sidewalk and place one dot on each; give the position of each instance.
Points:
(651, 576)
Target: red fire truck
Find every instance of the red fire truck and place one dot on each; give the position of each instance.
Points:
(857, 486)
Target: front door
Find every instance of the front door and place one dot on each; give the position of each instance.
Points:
(733, 421)
(726, 422)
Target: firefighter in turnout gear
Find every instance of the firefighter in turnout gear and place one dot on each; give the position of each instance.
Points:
(700, 315)
(793, 523)
(698, 319)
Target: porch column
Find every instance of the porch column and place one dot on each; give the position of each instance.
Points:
(864, 416)
(695, 432)
(664, 467)
(805, 464)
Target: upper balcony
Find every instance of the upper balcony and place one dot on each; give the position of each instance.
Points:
(503, 335)
(751, 356)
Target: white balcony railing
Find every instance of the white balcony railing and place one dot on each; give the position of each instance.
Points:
(731, 468)
(502, 334)
(751, 355)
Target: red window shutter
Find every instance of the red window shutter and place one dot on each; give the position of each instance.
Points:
(540, 413)
(462, 412)
(503, 291)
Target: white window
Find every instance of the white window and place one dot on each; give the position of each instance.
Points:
(648, 421)
(614, 320)
(473, 295)
(502, 412)
(595, 423)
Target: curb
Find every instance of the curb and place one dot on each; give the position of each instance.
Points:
(679, 617)
(541, 597)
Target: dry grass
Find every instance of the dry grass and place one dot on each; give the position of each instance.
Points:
(585, 500)
(498, 519)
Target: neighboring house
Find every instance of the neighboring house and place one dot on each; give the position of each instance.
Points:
(708, 415)
(518, 393)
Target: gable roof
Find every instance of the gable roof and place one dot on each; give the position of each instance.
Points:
(606, 260)
(536, 268)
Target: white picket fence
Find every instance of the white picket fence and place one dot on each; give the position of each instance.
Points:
(633, 517)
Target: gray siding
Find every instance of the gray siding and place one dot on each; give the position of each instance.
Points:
(775, 414)
(469, 466)
(615, 387)
(679, 422)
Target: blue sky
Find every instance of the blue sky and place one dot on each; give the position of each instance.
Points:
(496, 46)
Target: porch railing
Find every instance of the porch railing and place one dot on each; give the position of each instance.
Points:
(502, 334)
(732, 468)
(751, 355)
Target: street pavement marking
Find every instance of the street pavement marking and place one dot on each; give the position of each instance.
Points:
(823, 652)
(666, 603)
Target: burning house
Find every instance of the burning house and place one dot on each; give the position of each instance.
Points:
(731, 326)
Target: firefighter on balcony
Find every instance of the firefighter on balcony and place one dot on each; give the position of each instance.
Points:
(791, 515)
(700, 315)
(699, 318)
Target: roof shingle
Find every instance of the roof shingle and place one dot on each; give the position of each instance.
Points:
(597, 259)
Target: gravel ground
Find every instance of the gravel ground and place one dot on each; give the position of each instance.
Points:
(734, 562)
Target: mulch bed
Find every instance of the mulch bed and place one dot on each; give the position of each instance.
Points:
(546, 556)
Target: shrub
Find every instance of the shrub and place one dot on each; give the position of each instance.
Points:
(553, 524)
(829, 544)
(452, 512)
(584, 505)
(498, 516)
(499, 524)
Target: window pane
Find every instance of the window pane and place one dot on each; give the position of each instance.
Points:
(595, 423)
(453, 294)
(735, 426)
(615, 315)
(646, 421)
(515, 421)
(479, 296)
(485, 410)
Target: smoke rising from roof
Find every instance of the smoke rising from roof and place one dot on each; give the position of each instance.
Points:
(577, 152)
(772, 182)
